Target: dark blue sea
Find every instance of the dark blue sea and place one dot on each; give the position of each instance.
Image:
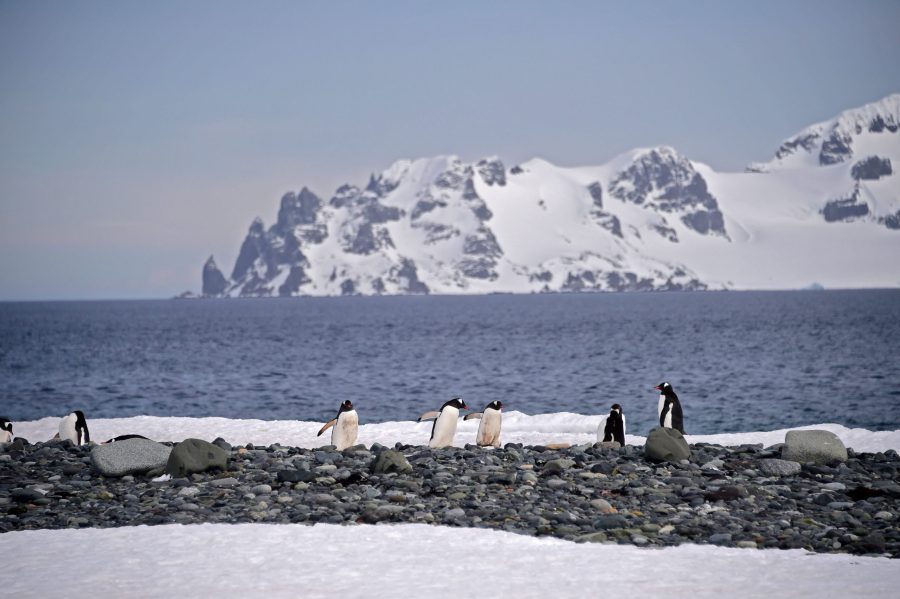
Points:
(740, 361)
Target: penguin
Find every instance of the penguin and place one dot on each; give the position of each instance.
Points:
(123, 438)
(74, 428)
(670, 414)
(346, 427)
(612, 427)
(445, 420)
(6, 433)
(489, 427)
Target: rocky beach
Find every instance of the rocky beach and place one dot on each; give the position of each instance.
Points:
(744, 496)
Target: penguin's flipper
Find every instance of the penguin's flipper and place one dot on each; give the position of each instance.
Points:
(327, 426)
(472, 416)
(429, 416)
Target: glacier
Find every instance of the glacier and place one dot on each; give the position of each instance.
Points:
(824, 211)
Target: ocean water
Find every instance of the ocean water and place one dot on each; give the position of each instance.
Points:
(740, 361)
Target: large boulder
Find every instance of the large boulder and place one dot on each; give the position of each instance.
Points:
(391, 460)
(131, 456)
(195, 455)
(816, 446)
(666, 445)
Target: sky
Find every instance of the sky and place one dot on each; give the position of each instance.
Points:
(138, 138)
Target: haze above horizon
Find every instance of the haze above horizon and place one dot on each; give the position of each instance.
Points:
(138, 139)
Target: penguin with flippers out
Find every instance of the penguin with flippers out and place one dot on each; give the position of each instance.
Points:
(489, 428)
(345, 427)
(670, 414)
(445, 421)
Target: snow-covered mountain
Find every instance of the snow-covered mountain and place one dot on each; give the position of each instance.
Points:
(825, 210)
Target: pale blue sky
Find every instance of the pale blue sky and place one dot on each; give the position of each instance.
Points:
(136, 138)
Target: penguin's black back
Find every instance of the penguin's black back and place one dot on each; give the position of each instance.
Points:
(613, 431)
(456, 402)
(677, 414)
(81, 427)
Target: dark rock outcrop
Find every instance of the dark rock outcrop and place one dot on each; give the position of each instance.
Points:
(845, 209)
(409, 275)
(214, 282)
(891, 221)
(871, 168)
(492, 171)
(664, 181)
(297, 209)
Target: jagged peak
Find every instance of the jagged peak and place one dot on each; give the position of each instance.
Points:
(306, 192)
(657, 153)
(831, 140)
(856, 119)
(210, 263)
(257, 226)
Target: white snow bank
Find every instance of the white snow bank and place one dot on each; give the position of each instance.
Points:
(409, 560)
(561, 427)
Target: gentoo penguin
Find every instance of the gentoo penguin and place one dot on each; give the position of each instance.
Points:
(670, 415)
(489, 427)
(123, 438)
(444, 428)
(346, 427)
(6, 434)
(612, 427)
(74, 428)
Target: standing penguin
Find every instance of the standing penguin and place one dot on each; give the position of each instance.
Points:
(612, 427)
(346, 427)
(74, 428)
(489, 427)
(6, 434)
(445, 420)
(670, 414)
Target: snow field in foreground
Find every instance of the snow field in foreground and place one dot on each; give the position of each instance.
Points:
(409, 560)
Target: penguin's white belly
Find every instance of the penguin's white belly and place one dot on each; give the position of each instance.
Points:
(67, 429)
(5, 436)
(662, 405)
(444, 428)
(344, 432)
(489, 429)
(601, 430)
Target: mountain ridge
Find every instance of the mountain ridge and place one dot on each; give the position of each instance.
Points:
(649, 219)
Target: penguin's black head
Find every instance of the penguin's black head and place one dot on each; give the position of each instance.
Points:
(664, 387)
(456, 402)
(496, 405)
(6, 425)
(617, 408)
(346, 406)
